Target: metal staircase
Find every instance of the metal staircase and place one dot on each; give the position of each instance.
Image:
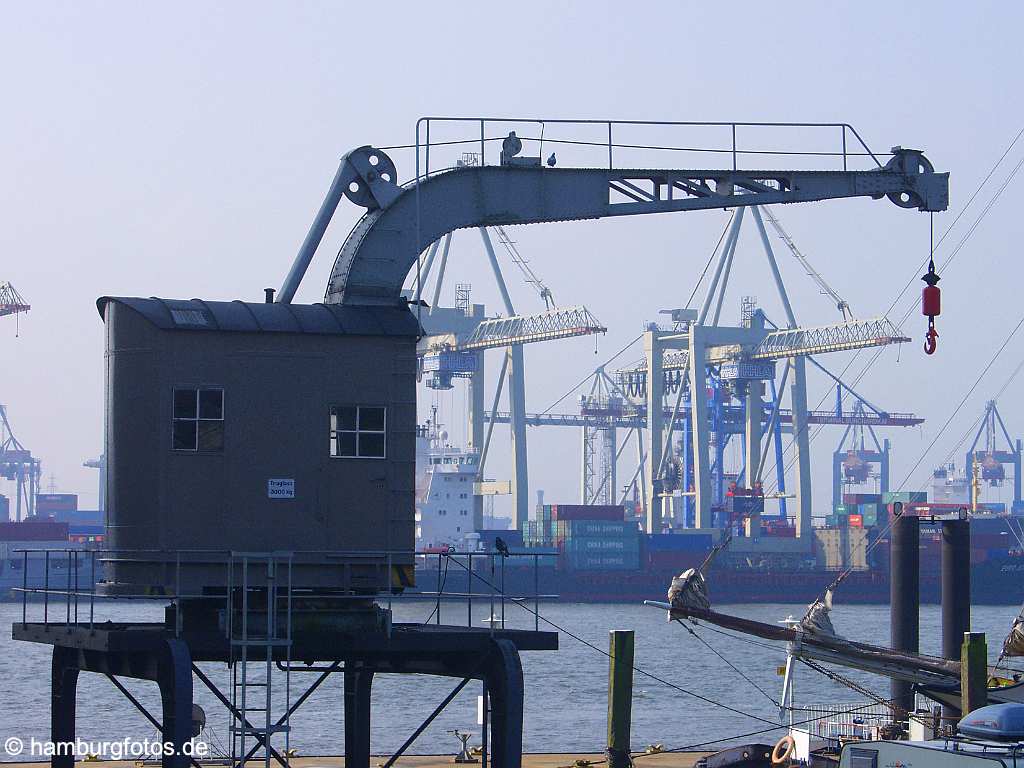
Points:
(259, 629)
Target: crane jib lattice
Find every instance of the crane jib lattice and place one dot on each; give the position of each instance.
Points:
(522, 329)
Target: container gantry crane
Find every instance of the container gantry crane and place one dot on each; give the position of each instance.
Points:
(991, 459)
(736, 361)
(18, 465)
(457, 337)
(401, 221)
(853, 459)
(11, 302)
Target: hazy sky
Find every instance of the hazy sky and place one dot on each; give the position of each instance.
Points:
(181, 150)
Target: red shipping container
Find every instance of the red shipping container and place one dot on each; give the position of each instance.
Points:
(49, 503)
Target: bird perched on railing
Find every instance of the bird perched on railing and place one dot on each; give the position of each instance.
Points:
(501, 547)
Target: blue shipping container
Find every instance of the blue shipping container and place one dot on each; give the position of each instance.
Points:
(602, 544)
(603, 562)
(678, 542)
(576, 528)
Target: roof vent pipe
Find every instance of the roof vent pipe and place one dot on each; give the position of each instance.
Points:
(269, 295)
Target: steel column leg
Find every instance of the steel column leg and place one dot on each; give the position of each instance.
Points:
(517, 423)
(504, 678)
(174, 676)
(63, 686)
(801, 441)
(358, 685)
(655, 432)
(699, 427)
(475, 427)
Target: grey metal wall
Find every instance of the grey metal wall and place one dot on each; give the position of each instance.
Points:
(278, 389)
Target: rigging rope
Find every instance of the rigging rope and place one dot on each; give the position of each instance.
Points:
(790, 449)
(678, 688)
(885, 531)
(731, 666)
(605, 653)
(963, 400)
(693, 293)
(440, 590)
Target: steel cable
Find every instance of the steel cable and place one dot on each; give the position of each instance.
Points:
(878, 353)
(605, 653)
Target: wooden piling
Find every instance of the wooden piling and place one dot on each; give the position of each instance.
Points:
(620, 696)
(973, 672)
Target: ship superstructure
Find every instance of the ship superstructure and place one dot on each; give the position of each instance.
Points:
(445, 475)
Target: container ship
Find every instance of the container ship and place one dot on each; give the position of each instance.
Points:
(599, 554)
(27, 545)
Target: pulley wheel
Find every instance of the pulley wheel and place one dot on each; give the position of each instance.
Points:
(374, 164)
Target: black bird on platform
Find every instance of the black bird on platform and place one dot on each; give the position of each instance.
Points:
(501, 546)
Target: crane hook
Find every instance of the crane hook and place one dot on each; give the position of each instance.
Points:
(931, 306)
(931, 338)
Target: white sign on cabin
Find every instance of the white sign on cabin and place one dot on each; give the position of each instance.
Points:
(281, 488)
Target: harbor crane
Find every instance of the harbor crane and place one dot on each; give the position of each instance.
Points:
(11, 302)
(608, 407)
(401, 221)
(992, 459)
(853, 459)
(736, 363)
(456, 337)
(18, 465)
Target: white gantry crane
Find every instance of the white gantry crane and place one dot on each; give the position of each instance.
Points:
(456, 338)
(18, 465)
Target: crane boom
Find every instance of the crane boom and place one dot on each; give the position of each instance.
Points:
(524, 329)
(853, 334)
(519, 329)
(401, 220)
(11, 302)
(792, 342)
(384, 245)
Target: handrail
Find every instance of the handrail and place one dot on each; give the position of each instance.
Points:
(423, 143)
(72, 592)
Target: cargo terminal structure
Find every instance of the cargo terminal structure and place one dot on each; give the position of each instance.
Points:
(218, 384)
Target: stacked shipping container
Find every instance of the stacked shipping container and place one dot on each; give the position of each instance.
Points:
(590, 537)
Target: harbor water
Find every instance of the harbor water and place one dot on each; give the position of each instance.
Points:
(566, 705)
